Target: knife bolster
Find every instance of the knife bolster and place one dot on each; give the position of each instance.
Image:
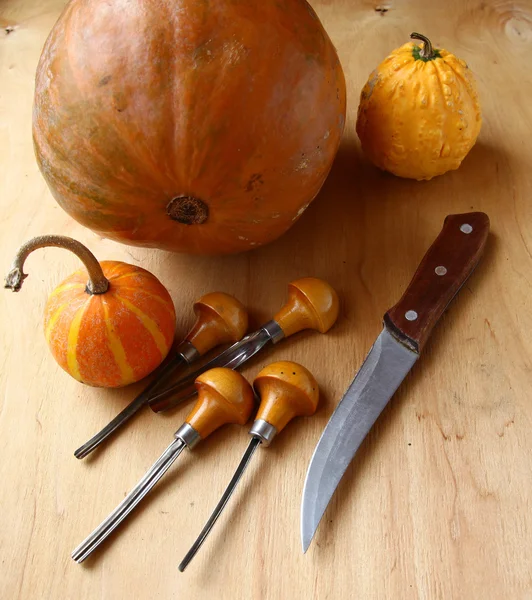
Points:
(400, 336)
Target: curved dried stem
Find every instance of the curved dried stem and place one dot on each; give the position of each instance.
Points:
(97, 284)
(427, 51)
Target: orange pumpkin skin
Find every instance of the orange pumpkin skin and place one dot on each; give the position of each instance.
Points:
(115, 338)
(239, 106)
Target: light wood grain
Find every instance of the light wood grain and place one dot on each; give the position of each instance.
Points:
(437, 503)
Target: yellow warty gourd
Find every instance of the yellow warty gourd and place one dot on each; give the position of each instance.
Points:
(419, 113)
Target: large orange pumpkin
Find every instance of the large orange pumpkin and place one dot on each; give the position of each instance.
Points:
(201, 127)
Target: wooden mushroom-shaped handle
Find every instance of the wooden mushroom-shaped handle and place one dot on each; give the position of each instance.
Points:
(286, 390)
(221, 319)
(224, 396)
(312, 304)
(107, 325)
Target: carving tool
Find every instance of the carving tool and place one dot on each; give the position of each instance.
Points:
(286, 390)
(220, 319)
(312, 304)
(224, 397)
(444, 269)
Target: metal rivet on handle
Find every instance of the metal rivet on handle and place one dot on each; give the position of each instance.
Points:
(440, 270)
(466, 228)
(411, 315)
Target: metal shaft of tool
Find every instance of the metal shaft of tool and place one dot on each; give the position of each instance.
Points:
(232, 358)
(133, 407)
(142, 488)
(253, 445)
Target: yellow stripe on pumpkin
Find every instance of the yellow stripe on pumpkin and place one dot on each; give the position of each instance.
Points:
(66, 286)
(115, 268)
(155, 297)
(73, 334)
(116, 346)
(59, 310)
(124, 276)
(148, 323)
(53, 320)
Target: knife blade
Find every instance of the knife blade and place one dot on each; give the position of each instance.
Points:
(444, 269)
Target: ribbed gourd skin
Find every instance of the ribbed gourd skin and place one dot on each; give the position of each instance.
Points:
(419, 118)
(111, 339)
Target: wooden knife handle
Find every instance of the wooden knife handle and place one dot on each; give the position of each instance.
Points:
(444, 269)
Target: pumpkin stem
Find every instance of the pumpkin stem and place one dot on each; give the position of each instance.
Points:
(427, 52)
(97, 284)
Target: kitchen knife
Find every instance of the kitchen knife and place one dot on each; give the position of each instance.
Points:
(442, 272)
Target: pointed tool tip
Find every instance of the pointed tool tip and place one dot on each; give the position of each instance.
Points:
(309, 523)
(307, 527)
(305, 541)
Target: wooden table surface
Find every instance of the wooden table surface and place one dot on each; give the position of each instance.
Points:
(436, 504)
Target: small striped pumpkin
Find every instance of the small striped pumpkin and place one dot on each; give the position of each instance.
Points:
(110, 338)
